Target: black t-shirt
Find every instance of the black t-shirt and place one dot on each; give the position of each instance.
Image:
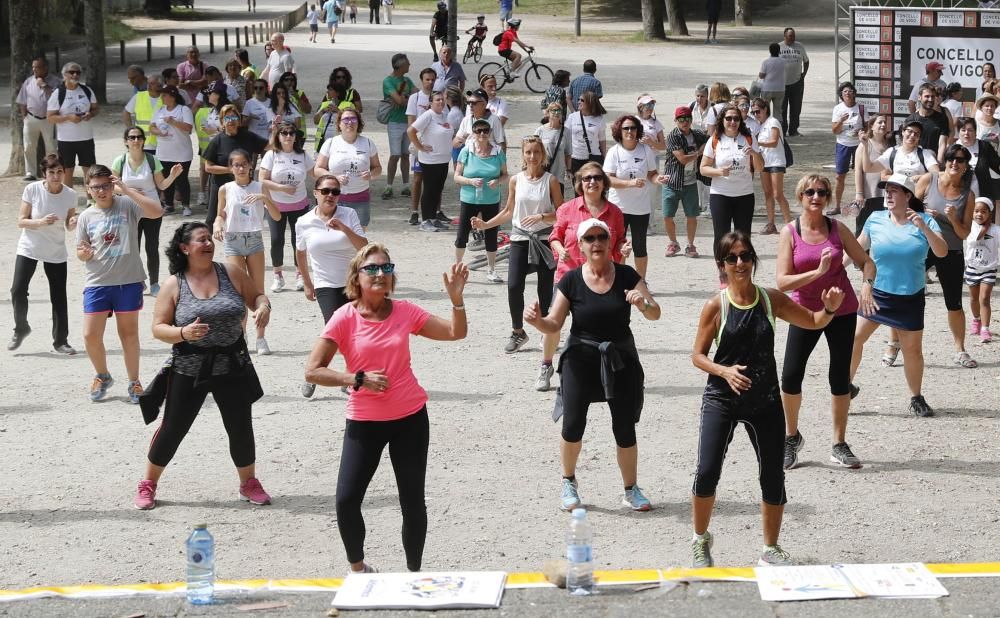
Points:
(222, 145)
(441, 24)
(934, 126)
(601, 317)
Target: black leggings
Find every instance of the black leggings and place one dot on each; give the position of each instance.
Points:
(364, 441)
(517, 271)
(800, 344)
(430, 200)
(639, 224)
(278, 236)
(730, 213)
(330, 299)
(485, 212)
(951, 274)
(150, 229)
(766, 429)
(184, 401)
(181, 185)
(24, 270)
(575, 390)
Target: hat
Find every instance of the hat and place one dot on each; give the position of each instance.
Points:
(645, 100)
(590, 224)
(902, 181)
(984, 98)
(934, 66)
(985, 200)
(478, 92)
(481, 122)
(219, 86)
(682, 110)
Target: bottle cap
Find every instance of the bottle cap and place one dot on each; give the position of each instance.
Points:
(579, 513)
(201, 526)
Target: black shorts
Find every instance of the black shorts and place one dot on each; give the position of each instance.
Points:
(313, 27)
(505, 53)
(72, 152)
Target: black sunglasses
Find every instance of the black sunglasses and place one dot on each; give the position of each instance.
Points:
(481, 131)
(631, 127)
(603, 237)
(373, 270)
(592, 179)
(286, 133)
(746, 257)
(819, 192)
(133, 138)
(732, 118)
(329, 190)
(959, 160)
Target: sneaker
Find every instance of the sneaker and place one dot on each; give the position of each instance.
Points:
(773, 555)
(262, 348)
(414, 218)
(134, 391)
(428, 226)
(985, 335)
(769, 229)
(65, 348)
(570, 495)
(919, 407)
(299, 284)
(443, 218)
(169, 210)
(367, 569)
(252, 491)
(99, 388)
(154, 289)
(701, 551)
(145, 496)
(187, 211)
(833, 212)
(278, 283)
(544, 381)
(855, 390)
(493, 277)
(976, 326)
(672, 249)
(202, 199)
(843, 456)
(29, 177)
(691, 251)
(387, 193)
(439, 224)
(793, 444)
(406, 191)
(477, 244)
(515, 342)
(634, 499)
(17, 339)
(308, 389)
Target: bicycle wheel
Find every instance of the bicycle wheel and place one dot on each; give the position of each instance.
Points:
(496, 70)
(467, 55)
(538, 78)
(478, 53)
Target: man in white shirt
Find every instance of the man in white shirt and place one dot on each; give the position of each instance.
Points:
(418, 103)
(71, 107)
(796, 66)
(933, 72)
(279, 62)
(32, 100)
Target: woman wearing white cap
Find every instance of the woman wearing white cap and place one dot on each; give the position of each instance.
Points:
(600, 362)
(652, 136)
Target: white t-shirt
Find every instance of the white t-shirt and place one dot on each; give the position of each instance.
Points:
(595, 131)
(729, 152)
(435, 131)
(76, 102)
(173, 145)
(497, 135)
(289, 169)
(555, 147)
(795, 57)
(907, 163)
(496, 106)
(713, 114)
(350, 159)
(773, 157)
(651, 127)
(47, 243)
(240, 216)
(955, 107)
(259, 124)
(455, 117)
(417, 104)
(231, 94)
(848, 135)
(292, 115)
(626, 165)
(982, 255)
(141, 178)
(773, 69)
(330, 251)
(280, 62)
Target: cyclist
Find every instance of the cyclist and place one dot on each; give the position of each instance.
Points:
(439, 27)
(478, 36)
(506, 47)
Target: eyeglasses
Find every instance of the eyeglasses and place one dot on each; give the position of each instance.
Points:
(631, 127)
(819, 192)
(592, 179)
(683, 119)
(329, 190)
(287, 133)
(746, 257)
(589, 238)
(481, 131)
(555, 112)
(349, 120)
(372, 270)
(732, 118)
(240, 166)
(743, 106)
(134, 138)
(101, 188)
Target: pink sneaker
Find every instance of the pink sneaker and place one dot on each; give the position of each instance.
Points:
(145, 495)
(672, 249)
(975, 327)
(986, 335)
(253, 492)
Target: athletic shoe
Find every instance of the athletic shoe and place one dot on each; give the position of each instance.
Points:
(405, 192)
(202, 199)
(691, 251)
(439, 224)
(65, 348)
(634, 499)
(672, 249)
(299, 283)
(308, 389)
(793, 444)
(493, 277)
(29, 177)
(443, 218)
(278, 283)
(99, 388)
(154, 289)
(716, 42)
(976, 326)
(428, 226)
(919, 407)
(477, 244)
(570, 495)
(262, 348)
(252, 492)
(515, 342)
(367, 569)
(414, 218)
(769, 229)
(985, 335)
(145, 495)
(773, 555)
(387, 193)
(701, 551)
(843, 456)
(855, 390)
(169, 210)
(187, 211)
(134, 391)
(17, 339)
(544, 381)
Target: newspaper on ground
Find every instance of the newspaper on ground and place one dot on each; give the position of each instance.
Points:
(471, 590)
(848, 581)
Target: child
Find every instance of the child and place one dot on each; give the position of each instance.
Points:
(480, 33)
(313, 18)
(352, 6)
(982, 249)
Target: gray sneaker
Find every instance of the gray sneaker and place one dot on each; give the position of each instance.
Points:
(493, 277)
(793, 444)
(308, 389)
(570, 495)
(515, 342)
(843, 456)
(918, 405)
(701, 550)
(427, 226)
(773, 555)
(544, 381)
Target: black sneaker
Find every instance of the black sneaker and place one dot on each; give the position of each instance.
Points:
(439, 224)
(443, 218)
(793, 444)
(843, 456)
(855, 390)
(515, 342)
(919, 407)
(17, 339)
(414, 218)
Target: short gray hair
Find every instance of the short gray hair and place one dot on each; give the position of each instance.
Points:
(71, 66)
(701, 89)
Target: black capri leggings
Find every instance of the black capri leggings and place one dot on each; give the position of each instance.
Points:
(951, 272)
(181, 186)
(766, 430)
(430, 200)
(639, 224)
(150, 230)
(574, 389)
(278, 236)
(408, 439)
(330, 299)
(800, 344)
(485, 212)
(517, 271)
(730, 213)
(184, 401)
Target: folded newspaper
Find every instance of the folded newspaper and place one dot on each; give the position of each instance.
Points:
(471, 590)
(848, 581)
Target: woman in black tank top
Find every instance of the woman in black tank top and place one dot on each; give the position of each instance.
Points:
(743, 388)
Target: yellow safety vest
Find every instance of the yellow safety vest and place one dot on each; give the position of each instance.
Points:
(199, 118)
(324, 120)
(144, 110)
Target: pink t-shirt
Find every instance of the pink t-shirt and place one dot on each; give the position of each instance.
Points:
(370, 346)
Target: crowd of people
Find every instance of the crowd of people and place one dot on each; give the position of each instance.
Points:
(579, 208)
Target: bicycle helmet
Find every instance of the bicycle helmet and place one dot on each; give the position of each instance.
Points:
(480, 17)
(442, 6)
(514, 23)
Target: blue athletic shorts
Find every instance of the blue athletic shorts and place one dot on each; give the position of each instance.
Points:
(113, 298)
(843, 158)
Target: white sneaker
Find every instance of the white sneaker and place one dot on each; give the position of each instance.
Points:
(544, 381)
(299, 284)
(493, 277)
(278, 284)
(187, 211)
(202, 199)
(262, 347)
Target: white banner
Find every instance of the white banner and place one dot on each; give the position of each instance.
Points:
(867, 18)
(867, 34)
(907, 18)
(867, 52)
(962, 58)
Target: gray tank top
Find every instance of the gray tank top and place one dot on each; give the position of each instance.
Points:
(936, 201)
(223, 312)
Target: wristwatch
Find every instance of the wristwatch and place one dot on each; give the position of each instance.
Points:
(359, 380)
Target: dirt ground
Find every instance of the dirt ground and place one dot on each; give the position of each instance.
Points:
(68, 468)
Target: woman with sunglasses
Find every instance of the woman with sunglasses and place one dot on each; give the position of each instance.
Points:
(771, 139)
(296, 96)
(908, 158)
(479, 171)
(586, 131)
(600, 295)
(172, 124)
(353, 159)
(255, 110)
(743, 388)
(327, 239)
(144, 172)
(341, 81)
(216, 155)
(554, 138)
(848, 120)
(284, 171)
(631, 168)
(811, 257)
(431, 135)
(387, 407)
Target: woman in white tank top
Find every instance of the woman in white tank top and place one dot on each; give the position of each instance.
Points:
(876, 137)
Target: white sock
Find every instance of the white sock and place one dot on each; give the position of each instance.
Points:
(699, 537)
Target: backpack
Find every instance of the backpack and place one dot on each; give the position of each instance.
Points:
(62, 92)
(715, 146)
(118, 169)
(497, 39)
(920, 157)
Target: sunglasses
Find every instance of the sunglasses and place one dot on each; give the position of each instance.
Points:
(372, 270)
(744, 106)
(589, 238)
(477, 102)
(287, 133)
(732, 118)
(819, 192)
(481, 131)
(683, 119)
(756, 111)
(134, 138)
(329, 190)
(630, 128)
(959, 159)
(101, 188)
(72, 72)
(231, 119)
(592, 179)
(746, 257)
(555, 112)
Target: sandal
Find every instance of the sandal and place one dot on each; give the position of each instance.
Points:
(892, 351)
(963, 359)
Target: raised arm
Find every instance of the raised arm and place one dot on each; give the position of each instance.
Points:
(440, 329)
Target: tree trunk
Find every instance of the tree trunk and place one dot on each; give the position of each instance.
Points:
(652, 20)
(25, 26)
(96, 69)
(675, 16)
(743, 13)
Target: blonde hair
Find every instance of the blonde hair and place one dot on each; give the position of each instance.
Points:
(352, 289)
(534, 139)
(810, 179)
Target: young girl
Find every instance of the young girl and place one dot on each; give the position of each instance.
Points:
(352, 6)
(982, 256)
(313, 18)
(240, 222)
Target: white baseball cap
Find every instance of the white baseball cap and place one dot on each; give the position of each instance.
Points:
(590, 224)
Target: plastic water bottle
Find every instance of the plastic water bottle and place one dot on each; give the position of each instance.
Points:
(579, 555)
(200, 566)
(479, 192)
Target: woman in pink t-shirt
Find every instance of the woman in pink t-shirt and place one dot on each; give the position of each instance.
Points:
(387, 405)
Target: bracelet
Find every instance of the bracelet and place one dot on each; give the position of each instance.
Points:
(183, 338)
(265, 306)
(458, 307)
(359, 380)
(828, 312)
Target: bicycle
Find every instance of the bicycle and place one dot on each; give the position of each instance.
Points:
(474, 50)
(537, 76)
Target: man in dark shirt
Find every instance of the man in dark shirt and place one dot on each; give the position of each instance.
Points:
(936, 131)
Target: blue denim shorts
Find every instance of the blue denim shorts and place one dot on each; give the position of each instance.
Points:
(243, 244)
